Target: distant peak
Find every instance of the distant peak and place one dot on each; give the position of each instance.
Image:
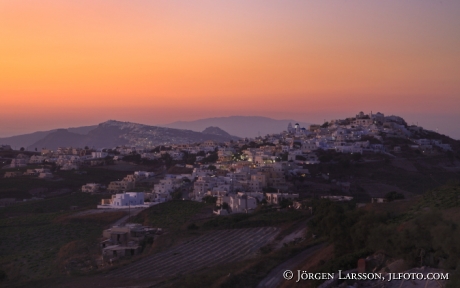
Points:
(120, 124)
(215, 131)
(113, 122)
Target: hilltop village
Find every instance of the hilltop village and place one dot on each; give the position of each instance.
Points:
(127, 198)
(238, 175)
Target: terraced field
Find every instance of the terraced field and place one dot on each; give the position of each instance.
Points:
(212, 249)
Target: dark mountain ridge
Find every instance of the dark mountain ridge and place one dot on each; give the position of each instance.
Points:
(216, 131)
(26, 140)
(115, 133)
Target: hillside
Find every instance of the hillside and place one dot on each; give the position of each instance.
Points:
(61, 137)
(216, 131)
(222, 129)
(241, 126)
(26, 140)
(115, 133)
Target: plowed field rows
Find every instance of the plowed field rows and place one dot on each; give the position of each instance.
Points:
(212, 249)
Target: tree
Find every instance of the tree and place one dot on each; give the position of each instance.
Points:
(212, 158)
(134, 157)
(285, 203)
(284, 156)
(393, 195)
(177, 194)
(192, 226)
(371, 139)
(156, 149)
(345, 163)
(109, 160)
(22, 149)
(2, 275)
(356, 156)
(269, 190)
(167, 159)
(209, 199)
(190, 159)
(451, 156)
(237, 156)
(300, 157)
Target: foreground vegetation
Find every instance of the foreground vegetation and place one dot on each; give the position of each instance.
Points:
(44, 239)
(425, 235)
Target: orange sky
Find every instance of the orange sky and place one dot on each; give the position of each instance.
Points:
(73, 63)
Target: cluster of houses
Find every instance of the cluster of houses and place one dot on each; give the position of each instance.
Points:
(343, 136)
(243, 174)
(42, 173)
(241, 188)
(21, 160)
(428, 145)
(67, 158)
(346, 135)
(246, 167)
(242, 170)
(123, 241)
(126, 184)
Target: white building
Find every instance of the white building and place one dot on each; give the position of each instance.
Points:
(143, 174)
(19, 162)
(165, 186)
(69, 166)
(125, 200)
(36, 159)
(99, 154)
(239, 203)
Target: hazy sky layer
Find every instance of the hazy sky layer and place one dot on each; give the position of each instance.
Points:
(75, 63)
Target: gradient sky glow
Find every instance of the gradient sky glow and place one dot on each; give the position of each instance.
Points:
(75, 63)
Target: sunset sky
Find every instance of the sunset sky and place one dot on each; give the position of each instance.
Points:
(76, 63)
